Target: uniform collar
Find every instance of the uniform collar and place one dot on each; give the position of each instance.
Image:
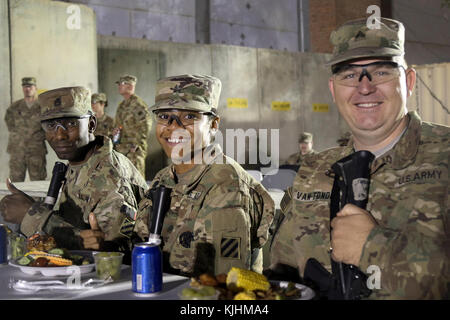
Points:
(405, 150)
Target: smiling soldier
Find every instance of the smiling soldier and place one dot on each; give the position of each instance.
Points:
(404, 231)
(102, 189)
(219, 215)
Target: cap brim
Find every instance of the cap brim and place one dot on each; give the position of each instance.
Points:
(163, 105)
(62, 115)
(366, 52)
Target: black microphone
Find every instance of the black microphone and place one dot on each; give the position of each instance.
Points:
(161, 204)
(58, 176)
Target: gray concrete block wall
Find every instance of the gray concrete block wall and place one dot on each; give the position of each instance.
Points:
(427, 25)
(255, 23)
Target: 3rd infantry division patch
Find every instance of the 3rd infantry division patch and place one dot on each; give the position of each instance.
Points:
(127, 227)
(230, 248)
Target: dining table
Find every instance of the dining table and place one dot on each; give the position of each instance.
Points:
(120, 289)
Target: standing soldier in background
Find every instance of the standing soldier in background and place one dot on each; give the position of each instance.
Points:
(305, 145)
(105, 124)
(132, 123)
(26, 143)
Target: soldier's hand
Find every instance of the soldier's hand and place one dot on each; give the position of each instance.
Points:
(351, 227)
(93, 238)
(15, 205)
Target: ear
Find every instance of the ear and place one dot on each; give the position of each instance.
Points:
(92, 124)
(331, 87)
(215, 124)
(410, 81)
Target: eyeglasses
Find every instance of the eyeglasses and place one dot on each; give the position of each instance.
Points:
(183, 118)
(351, 75)
(66, 124)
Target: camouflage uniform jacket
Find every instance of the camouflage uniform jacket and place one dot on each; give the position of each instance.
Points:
(218, 218)
(25, 131)
(134, 117)
(408, 197)
(105, 125)
(297, 158)
(106, 184)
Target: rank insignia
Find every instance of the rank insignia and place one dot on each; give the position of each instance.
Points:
(127, 227)
(194, 195)
(186, 239)
(230, 248)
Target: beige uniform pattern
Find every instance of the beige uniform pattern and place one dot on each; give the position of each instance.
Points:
(26, 142)
(105, 125)
(134, 117)
(106, 184)
(297, 158)
(219, 217)
(408, 198)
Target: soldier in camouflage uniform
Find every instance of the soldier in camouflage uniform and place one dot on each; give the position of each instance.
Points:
(134, 118)
(100, 196)
(404, 231)
(219, 215)
(26, 143)
(105, 124)
(305, 144)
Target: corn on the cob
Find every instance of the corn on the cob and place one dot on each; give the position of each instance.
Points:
(54, 259)
(245, 295)
(247, 280)
(59, 261)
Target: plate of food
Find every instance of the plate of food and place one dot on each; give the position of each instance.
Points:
(241, 284)
(43, 257)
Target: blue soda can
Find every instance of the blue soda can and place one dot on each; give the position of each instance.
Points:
(3, 244)
(146, 266)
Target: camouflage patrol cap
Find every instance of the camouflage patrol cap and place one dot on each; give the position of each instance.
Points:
(65, 103)
(305, 137)
(188, 92)
(355, 39)
(28, 81)
(98, 97)
(127, 78)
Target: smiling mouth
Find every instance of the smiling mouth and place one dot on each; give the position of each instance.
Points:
(368, 104)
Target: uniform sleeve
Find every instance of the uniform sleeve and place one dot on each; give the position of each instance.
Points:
(114, 205)
(9, 119)
(412, 264)
(233, 227)
(141, 126)
(282, 249)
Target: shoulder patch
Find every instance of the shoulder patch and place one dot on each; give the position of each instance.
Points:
(127, 227)
(230, 247)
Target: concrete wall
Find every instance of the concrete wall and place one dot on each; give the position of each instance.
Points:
(5, 86)
(261, 76)
(47, 42)
(253, 23)
(427, 26)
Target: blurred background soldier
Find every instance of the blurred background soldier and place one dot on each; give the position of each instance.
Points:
(305, 143)
(132, 123)
(105, 124)
(26, 143)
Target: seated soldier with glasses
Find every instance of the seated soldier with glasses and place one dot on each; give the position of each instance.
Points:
(219, 215)
(399, 240)
(102, 188)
